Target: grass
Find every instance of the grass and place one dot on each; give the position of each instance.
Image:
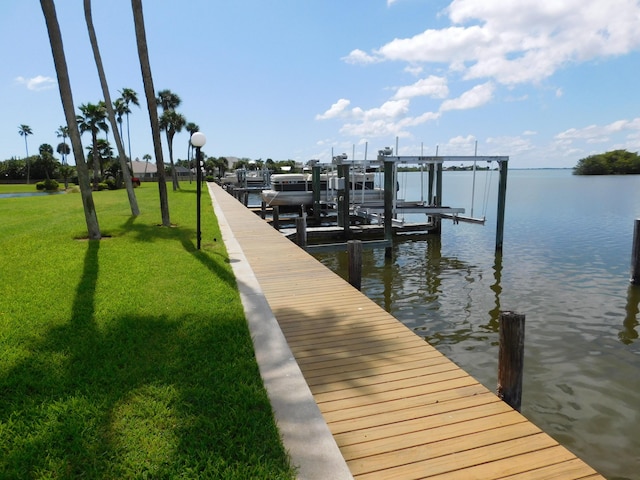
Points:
(127, 357)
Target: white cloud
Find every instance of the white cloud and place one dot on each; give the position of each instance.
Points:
(336, 110)
(599, 133)
(358, 56)
(413, 70)
(432, 86)
(37, 83)
(476, 97)
(518, 41)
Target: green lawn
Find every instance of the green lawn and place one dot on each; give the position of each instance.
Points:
(127, 357)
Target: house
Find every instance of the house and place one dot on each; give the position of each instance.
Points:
(145, 171)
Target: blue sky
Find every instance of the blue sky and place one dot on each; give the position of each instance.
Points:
(542, 81)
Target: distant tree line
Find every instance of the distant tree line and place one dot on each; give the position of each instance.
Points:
(616, 162)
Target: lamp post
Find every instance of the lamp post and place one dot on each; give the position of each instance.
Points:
(198, 140)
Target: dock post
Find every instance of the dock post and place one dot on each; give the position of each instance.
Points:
(315, 185)
(354, 248)
(276, 217)
(437, 220)
(502, 197)
(389, 192)
(511, 358)
(263, 209)
(346, 201)
(432, 172)
(340, 197)
(301, 231)
(635, 254)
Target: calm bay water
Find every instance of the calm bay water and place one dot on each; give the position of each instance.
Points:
(566, 266)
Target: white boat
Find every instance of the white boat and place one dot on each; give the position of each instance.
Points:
(246, 178)
(289, 189)
(297, 188)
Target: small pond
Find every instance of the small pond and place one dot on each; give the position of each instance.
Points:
(28, 194)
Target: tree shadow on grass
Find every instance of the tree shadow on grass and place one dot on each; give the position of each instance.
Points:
(186, 236)
(137, 397)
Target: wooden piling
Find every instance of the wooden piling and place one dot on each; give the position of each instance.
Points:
(276, 217)
(315, 183)
(301, 231)
(263, 209)
(503, 166)
(354, 248)
(635, 254)
(511, 358)
(389, 192)
(346, 203)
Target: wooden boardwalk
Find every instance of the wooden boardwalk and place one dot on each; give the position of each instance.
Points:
(397, 408)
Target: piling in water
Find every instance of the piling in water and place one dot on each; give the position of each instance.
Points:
(635, 254)
(511, 358)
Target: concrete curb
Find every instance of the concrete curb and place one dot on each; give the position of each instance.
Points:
(304, 433)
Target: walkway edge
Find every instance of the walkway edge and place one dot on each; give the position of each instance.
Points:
(306, 437)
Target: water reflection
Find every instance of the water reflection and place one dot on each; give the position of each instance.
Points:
(494, 313)
(629, 333)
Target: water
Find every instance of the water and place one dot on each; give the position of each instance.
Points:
(566, 266)
(28, 194)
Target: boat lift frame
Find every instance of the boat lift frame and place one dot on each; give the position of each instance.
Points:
(434, 164)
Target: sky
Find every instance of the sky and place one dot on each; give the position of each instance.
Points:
(545, 82)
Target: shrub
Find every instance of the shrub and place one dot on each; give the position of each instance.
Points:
(111, 183)
(51, 185)
(209, 178)
(40, 186)
(102, 186)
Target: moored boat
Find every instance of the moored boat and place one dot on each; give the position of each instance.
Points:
(297, 188)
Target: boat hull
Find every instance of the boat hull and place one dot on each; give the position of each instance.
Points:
(275, 198)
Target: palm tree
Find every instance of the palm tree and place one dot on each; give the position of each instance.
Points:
(120, 109)
(63, 150)
(93, 120)
(126, 176)
(46, 157)
(104, 153)
(172, 122)
(169, 101)
(64, 85)
(146, 157)
(191, 128)
(147, 80)
(25, 131)
(63, 132)
(129, 96)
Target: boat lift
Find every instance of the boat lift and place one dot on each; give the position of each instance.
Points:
(434, 165)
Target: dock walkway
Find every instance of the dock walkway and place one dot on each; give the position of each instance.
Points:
(355, 392)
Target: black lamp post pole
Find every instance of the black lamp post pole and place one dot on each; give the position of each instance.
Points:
(198, 192)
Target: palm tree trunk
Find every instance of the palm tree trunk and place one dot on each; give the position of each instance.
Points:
(149, 91)
(133, 203)
(96, 161)
(57, 49)
(174, 174)
(26, 148)
(129, 143)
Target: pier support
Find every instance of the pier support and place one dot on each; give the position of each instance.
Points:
(502, 198)
(635, 254)
(301, 231)
(511, 358)
(354, 249)
(437, 220)
(315, 185)
(276, 217)
(389, 193)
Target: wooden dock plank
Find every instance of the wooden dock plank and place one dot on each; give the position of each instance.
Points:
(397, 408)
